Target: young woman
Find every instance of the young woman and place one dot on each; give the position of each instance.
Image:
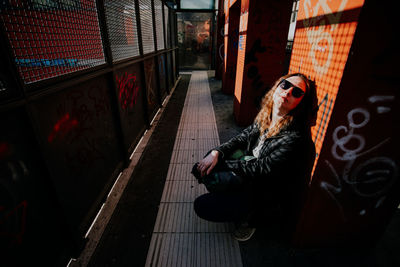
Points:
(270, 178)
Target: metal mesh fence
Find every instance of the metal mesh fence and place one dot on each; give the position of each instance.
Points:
(146, 19)
(122, 29)
(51, 38)
(159, 24)
(166, 26)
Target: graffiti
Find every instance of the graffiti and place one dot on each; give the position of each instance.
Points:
(241, 43)
(253, 72)
(340, 142)
(80, 114)
(13, 223)
(256, 48)
(371, 178)
(61, 62)
(333, 190)
(256, 77)
(221, 52)
(381, 98)
(149, 70)
(99, 101)
(86, 153)
(318, 36)
(62, 127)
(5, 150)
(234, 38)
(221, 47)
(128, 90)
(319, 50)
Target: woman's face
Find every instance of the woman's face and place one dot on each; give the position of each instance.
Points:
(288, 95)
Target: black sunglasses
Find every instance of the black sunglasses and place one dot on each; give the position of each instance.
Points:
(296, 92)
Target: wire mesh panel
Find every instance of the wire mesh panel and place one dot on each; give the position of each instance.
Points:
(166, 26)
(51, 38)
(159, 22)
(146, 19)
(122, 29)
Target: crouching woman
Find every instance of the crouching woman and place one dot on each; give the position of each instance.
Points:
(262, 174)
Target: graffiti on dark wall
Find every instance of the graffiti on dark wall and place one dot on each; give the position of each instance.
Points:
(62, 127)
(253, 73)
(355, 163)
(12, 223)
(128, 90)
(80, 113)
(150, 86)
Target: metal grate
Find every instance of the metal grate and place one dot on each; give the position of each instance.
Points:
(159, 22)
(146, 19)
(166, 26)
(51, 38)
(122, 29)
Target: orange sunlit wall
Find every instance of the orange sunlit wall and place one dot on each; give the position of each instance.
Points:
(226, 11)
(228, 84)
(323, 37)
(244, 17)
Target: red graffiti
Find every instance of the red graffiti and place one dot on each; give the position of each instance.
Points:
(5, 150)
(62, 127)
(128, 90)
(16, 235)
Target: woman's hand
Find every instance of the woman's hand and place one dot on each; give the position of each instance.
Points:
(206, 165)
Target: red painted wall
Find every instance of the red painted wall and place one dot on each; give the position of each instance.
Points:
(263, 35)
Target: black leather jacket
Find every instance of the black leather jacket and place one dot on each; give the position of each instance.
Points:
(288, 152)
(282, 170)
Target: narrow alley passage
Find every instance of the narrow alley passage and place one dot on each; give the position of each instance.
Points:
(180, 238)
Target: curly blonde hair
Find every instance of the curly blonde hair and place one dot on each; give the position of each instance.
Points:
(305, 112)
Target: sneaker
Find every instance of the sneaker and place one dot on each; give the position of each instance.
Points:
(243, 232)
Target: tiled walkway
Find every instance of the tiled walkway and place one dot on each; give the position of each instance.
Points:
(180, 238)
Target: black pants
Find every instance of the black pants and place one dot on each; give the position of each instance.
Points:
(224, 207)
(229, 203)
